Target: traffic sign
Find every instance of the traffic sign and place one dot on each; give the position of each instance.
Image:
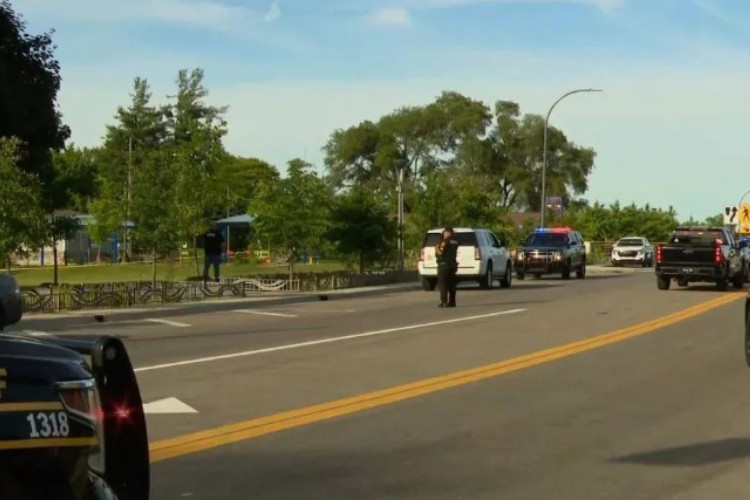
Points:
(731, 215)
(744, 218)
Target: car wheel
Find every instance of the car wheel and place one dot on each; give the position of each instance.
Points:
(566, 271)
(722, 284)
(738, 281)
(506, 280)
(581, 272)
(488, 281)
(520, 276)
(663, 283)
(428, 284)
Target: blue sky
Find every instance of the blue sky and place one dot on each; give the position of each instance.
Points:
(670, 127)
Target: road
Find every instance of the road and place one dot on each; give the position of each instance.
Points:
(391, 397)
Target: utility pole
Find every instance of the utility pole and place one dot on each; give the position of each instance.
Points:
(400, 172)
(126, 255)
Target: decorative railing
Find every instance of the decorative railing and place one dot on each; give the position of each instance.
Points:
(47, 298)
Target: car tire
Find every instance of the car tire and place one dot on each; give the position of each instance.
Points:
(429, 284)
(738, 281)
(520, 276)
(507, 279)
(581, 271)
(722, 284)
(488, 279)
(663, 283)
(566, 271)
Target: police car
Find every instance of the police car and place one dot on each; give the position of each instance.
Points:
(72, 425)
(551, 251)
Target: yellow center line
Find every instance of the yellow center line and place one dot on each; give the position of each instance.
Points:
(241, 431)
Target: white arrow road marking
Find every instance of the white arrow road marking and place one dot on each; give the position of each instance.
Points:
(264, 313)
(167, 406)
(167, 322)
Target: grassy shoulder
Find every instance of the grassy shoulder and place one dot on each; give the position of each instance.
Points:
(107, 273)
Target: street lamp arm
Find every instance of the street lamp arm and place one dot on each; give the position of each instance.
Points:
(544, 147)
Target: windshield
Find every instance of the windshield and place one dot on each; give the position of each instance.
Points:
(702, 237)
(630, 242)
(547, 240)
(464, 239)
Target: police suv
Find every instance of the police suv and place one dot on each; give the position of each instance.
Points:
(72, 425)
(482, 257)
(552, 251)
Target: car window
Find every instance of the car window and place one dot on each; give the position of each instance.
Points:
(547, 239)
(630, 242)
(698, 236)
(495, 240)
(464, 239)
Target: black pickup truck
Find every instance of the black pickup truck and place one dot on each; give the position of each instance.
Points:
(701, 254)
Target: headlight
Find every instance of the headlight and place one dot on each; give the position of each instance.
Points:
(519, 255)
(557, 256)
(81, 400)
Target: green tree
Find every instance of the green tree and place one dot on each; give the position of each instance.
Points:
(75, 182)
(155, 213)
(361, 229)
(196, 131)
(140, 129)
(293, 212)
(108, 215)
(22, 218)
(238, 179)
(29, 87)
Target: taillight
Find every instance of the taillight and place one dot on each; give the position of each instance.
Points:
(81, 401)
(718, 256)
(477, 253)
(658, 253)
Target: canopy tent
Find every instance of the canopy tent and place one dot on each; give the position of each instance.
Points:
(242, 220)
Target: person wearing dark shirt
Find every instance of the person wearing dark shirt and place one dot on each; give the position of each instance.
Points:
(213, 246)
(446, 252)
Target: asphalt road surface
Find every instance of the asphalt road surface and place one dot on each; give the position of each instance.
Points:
(603, 388)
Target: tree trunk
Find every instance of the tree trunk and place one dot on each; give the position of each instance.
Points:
(54, 262)
(99, 254)
(153, 267)
(195, 256)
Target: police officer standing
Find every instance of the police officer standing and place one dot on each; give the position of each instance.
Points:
(446, 252)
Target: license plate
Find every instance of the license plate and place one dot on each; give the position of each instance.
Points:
(687, 270)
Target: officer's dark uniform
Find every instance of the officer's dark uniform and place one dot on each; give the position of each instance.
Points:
(446, 252)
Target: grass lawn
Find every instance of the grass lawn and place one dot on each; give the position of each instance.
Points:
(32, 276)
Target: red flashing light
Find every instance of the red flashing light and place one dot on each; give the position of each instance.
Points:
(561, 229)
(718, 256)
(122, 412)
(658, 253)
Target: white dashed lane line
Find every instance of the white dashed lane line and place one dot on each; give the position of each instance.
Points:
(264, 313)
(167, 322)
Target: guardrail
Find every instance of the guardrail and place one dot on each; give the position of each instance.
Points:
(47, 298)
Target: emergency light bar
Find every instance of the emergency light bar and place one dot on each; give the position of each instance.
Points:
(553, 230)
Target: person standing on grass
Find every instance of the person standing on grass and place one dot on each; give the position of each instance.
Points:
(213, 246)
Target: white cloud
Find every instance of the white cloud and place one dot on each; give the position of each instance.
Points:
(197, 13)
(444, 4)
(391, 17)
(273, 13)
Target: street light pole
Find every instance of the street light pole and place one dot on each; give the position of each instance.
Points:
(544, 146)
(400, 172)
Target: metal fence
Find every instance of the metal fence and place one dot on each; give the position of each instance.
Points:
(128, 294)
